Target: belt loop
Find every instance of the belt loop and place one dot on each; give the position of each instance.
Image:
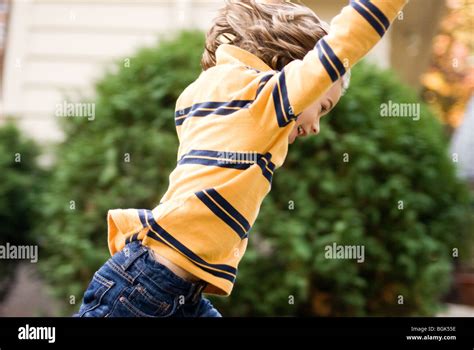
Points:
(132, 253)
(198, 288)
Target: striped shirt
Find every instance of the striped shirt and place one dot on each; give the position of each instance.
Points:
(233, 124)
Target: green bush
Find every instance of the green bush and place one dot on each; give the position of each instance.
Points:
(317, 198)
(345, 187)
(120, 159)
(20, 180)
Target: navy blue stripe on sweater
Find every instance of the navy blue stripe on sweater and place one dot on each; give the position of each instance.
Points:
(329, 69)
(368, 17)
(283, 110)
(229, 208)
(228, 219)
(231, 160)
(158, 233)
(210, 108)
(263, 82)
(333, 57)
(267, 166)
(377, 12)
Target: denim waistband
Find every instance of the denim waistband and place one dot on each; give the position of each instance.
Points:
(135, 259)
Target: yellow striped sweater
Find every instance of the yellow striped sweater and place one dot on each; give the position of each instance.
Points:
(233, 124)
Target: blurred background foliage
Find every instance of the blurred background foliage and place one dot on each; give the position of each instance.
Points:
(449, 82)
(20, 184)
(316, 199)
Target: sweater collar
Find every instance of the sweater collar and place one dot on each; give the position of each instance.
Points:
(227, 53)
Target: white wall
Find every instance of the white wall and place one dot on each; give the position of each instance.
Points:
(56, 48)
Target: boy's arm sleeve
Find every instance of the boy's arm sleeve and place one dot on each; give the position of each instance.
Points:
(353, 33)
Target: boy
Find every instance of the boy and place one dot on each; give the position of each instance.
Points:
(270, 72)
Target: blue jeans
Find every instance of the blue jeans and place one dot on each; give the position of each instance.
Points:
(133, 284)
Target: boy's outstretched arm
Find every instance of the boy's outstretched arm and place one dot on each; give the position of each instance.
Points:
(352, 35)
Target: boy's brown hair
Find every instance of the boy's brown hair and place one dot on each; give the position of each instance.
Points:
(277, 32)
